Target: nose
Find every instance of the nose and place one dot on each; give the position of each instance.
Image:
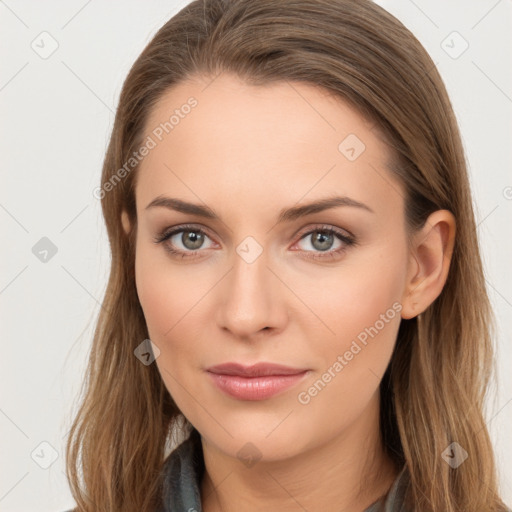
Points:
(251, 300)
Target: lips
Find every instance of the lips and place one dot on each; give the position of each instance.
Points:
(256, 382)
(256, 370)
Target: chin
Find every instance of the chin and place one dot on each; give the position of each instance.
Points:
(252, 440)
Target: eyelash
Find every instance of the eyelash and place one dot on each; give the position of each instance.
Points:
(349, 241)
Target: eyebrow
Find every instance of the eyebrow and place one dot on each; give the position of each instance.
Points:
(286, 215)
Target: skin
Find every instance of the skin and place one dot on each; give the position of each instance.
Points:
(247, 152)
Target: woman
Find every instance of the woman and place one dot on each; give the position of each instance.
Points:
(296, 316)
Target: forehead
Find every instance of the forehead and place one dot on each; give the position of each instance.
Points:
(226, 137)
(227, 106)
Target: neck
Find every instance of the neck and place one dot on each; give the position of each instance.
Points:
(346, 474)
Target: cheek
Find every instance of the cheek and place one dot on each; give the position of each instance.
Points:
(151, 285)
(366, 321)
(352, 297)
(361, 305)
(166, 292)
(167, 299)
(172, 299)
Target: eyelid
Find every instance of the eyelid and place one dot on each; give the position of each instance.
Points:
(324, 227)
(348, 239)
(168, 232)
(300, 233)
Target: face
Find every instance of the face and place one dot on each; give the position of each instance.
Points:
(318, 290)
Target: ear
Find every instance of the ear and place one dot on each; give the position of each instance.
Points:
(125, 220)
(429, 262)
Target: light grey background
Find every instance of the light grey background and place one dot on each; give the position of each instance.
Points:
(57, 113)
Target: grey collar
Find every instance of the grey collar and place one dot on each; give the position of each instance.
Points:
(184, 469)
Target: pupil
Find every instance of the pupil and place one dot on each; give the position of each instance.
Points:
(192, 239)
(322, 238)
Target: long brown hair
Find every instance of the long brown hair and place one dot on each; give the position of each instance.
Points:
(435, 387)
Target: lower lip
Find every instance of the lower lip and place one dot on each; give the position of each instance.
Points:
(255, 388)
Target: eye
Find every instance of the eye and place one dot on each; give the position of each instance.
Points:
(183, 241)
(187, 241)
(322, 239)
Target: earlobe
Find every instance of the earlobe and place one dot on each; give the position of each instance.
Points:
(125, 220)
(429, 263)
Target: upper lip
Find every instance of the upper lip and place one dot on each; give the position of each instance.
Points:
(255, 370)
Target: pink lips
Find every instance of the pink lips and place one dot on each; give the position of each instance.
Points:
(256, 382)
